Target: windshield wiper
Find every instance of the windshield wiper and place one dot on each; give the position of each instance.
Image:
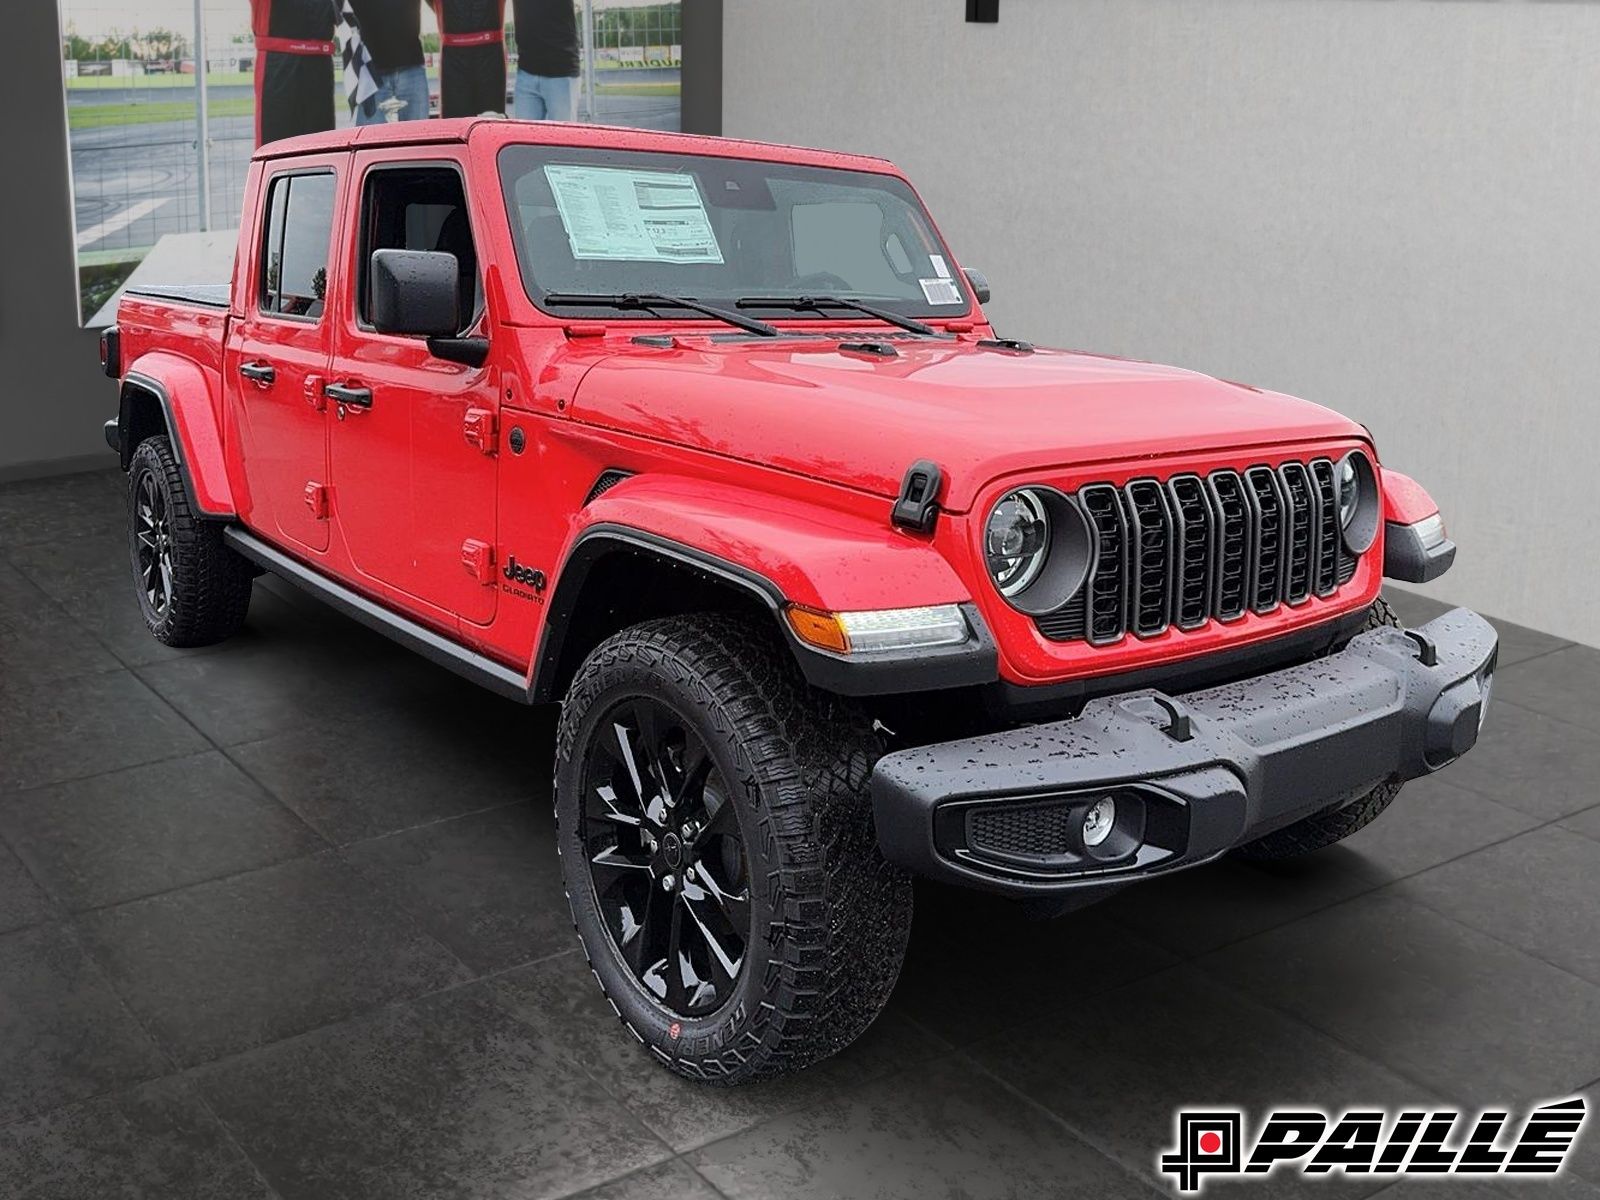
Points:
(823, 303)
(649, 300)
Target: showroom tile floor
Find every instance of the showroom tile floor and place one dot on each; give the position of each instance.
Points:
(282, 918)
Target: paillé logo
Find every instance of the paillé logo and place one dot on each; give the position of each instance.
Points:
(1373, 1141)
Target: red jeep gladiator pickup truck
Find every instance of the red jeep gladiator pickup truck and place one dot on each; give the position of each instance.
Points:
(711, 443)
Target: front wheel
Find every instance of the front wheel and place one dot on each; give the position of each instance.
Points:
(718, 850)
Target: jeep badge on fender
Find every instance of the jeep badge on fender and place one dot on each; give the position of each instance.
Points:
(517, 573)
(792, 492)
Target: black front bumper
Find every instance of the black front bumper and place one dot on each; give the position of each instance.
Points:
(1189, 777)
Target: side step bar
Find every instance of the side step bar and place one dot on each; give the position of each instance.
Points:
(501, 680)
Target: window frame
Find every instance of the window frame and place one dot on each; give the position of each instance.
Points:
(363, 254)
(270, 185)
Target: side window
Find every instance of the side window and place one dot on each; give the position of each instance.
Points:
(419, 208)
(294, 257)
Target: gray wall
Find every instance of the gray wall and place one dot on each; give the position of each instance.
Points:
(55, 398)
(1391, 208)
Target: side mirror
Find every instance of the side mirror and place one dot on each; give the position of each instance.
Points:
(980, 285)
(415, 292)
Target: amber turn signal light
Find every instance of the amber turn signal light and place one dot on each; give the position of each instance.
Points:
(820, 629)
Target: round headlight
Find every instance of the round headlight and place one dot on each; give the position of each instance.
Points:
(1016, 541)
(1349, 492)
(1360, 504)
(1038, 547)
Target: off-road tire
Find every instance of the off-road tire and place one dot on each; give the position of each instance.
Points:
(829, 916)
(1323, 829)
(210, 584)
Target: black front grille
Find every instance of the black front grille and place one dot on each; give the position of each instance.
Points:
(1194, 549)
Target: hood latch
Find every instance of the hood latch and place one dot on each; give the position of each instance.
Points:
(917, 507)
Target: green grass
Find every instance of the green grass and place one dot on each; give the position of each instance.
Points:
(93, 83)
(99, 116)
(636, 89)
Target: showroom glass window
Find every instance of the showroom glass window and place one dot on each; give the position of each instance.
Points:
(752, 229)
(294, 253)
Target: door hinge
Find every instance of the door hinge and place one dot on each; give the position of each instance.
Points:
(478, 558)
(314, 396)
(481, 429)
(319, 499)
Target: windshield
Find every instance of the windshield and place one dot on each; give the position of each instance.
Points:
(606, 223)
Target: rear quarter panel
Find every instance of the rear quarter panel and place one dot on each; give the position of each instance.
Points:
(179, 347)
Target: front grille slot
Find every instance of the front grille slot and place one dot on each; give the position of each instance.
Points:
(1266, 503)
(1300, 527)
(1195, 549)
(1326, 575)
(1150, 570)
(1107, 616)
(1195, 537)
(1235, 541)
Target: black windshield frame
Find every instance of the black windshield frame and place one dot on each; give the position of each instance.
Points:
(517, 159)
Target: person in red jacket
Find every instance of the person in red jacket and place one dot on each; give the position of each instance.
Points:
(294, 67)
(472, 56)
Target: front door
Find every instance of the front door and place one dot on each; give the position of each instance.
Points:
(414, 463)
(277, 357)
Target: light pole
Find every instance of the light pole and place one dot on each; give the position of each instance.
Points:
(588, 59)
(202, 121)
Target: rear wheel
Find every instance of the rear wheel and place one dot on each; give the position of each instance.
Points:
(1335, 824)
(718, 850)
(192, 589)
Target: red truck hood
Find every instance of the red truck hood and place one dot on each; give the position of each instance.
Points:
(860, 420)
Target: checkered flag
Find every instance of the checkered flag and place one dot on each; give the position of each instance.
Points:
(359, 85)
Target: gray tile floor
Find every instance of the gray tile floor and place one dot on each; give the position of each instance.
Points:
(282, 918)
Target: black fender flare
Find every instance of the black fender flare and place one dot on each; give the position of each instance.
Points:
(133, 384)
(974, 662)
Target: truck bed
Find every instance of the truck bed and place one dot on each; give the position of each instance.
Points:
(207, 295)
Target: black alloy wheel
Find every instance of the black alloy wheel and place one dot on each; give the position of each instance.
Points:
(666, 858)
(714, 821)
(152, 532)
(192, 589)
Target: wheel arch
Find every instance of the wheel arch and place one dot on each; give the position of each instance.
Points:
(164, 394)
(663, 578)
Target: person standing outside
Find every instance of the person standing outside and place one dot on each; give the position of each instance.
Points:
(472, 56)
(547, 60)
(391, 31)
(293, 67)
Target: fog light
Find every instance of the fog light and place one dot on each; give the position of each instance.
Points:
(1099, 821)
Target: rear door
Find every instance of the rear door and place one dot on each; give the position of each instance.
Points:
(415, 465)
(278, 352)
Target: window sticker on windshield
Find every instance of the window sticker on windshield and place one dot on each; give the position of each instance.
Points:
(939, 269)
(940, 291)
(616, 214)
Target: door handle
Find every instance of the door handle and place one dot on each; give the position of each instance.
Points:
(260, 372)
(349, 394)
